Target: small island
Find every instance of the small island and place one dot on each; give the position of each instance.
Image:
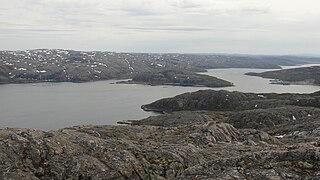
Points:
(303, 76)
(177, 78)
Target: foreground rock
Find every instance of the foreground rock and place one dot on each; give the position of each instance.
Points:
(203, 150)
(177, 78)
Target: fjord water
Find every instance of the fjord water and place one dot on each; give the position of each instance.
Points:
(49, 106)
(244, 83)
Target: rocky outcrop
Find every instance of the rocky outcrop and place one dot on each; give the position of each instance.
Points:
(175, 119)
(293, 164)
(207, 149)
(117, 152)
(214, 101)
(231, 101)
(281, 115)
(268, 118)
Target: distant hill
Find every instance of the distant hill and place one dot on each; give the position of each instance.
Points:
(60, 65)
(306, 75)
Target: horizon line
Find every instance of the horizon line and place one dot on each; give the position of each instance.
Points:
(190, 53)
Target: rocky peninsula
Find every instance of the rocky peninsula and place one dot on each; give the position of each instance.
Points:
(305, 75)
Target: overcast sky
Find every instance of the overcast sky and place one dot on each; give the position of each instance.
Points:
(205, 26)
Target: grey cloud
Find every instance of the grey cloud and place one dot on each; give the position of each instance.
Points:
(139, 12)
(3, 9)
(48, 30)
(241, 24)
(29, 5)
(186, 4)
(76, 18)
(192, 29)
(80, 22)
(255, 11)
(172, 28)
(35, 31)
(11, 24)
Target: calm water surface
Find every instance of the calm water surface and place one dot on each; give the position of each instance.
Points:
(56, 105)
(49, 106)
(255, 84)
